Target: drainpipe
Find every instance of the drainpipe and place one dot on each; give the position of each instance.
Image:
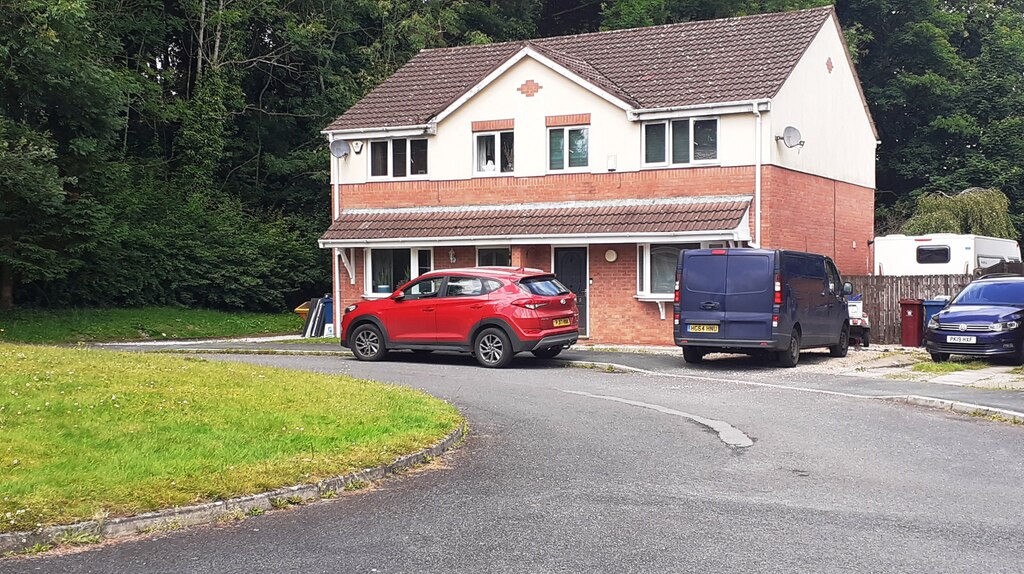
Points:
(757, 171)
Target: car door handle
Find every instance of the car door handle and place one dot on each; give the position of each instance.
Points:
(709, 306)
(476, 306)
(428, 309)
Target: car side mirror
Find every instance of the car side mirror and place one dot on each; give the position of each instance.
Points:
(398, 295)
(847, 288)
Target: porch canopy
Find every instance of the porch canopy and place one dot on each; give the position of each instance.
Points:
(702, 218)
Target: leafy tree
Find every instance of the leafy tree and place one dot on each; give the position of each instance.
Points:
(978, 211)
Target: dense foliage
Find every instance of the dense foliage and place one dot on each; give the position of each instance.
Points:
(168, 151)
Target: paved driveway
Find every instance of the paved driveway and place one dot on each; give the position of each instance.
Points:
(577, 470)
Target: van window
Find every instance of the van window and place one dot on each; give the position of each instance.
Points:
(927, 254)
(987, 261)
(833, 279)
(803, 266)
(704, 273)
(749, 274)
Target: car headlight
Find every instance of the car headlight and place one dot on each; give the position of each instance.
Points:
(350, 308)
(933, 323)
(1005, 326)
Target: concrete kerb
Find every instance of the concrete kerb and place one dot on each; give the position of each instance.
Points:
(960, 407)
(210, 512)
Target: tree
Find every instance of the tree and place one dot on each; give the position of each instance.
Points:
(974, 211)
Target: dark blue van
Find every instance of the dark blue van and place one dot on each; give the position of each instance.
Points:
(757, 300)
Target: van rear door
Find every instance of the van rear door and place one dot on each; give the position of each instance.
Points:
(750, 288)
(726, 294)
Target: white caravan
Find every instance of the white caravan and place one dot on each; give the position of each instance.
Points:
(941, 254)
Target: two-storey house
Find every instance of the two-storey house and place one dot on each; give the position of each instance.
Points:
(601, 156)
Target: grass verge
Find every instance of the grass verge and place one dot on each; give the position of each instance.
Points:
(948, 366)
(92, 433)
(104, 325)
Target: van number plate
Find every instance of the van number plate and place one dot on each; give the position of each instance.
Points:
(961, 339)
(561, 322)
(702, 328)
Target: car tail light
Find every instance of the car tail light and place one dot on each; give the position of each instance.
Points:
(775, 320)
(778, 289)
(718, 251)
(675, 297)
(529, 303)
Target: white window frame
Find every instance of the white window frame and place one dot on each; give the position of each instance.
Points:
(497, 147)
(414, 268)
(565, 150)
(506, 247)
(643, 269)
(391, 161)
(689, 138)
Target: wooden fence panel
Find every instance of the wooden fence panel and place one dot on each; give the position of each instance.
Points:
(882, 296)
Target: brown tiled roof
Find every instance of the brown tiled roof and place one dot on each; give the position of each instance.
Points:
(699, 62)
(649, 216)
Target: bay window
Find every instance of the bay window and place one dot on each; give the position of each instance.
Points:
(399, 157)
(388, 269)
(680, 142)
(656, 267)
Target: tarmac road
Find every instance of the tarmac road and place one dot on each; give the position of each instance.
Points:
(578, 470)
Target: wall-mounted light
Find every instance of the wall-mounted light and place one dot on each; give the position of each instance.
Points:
(451, 255)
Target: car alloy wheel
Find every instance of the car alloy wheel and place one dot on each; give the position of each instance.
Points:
(493, 348)
(367, 343)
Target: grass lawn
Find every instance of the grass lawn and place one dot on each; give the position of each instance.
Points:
(102, 325)
(89, 433)
(948, 366)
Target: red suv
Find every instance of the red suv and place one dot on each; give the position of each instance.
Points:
(491, 312)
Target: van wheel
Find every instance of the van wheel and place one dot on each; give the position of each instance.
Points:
(492, 348)
(549, 353)
(368, 344)
(691, 355)
(843, 347)
(791, 356)
(940, 357)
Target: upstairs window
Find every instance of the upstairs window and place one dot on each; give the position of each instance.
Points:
(398, 158)
(680, 142)
(495, 153)
(568, 148)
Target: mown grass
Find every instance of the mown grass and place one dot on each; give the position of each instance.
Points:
(105, 325)
(91, 433)
(948, 366)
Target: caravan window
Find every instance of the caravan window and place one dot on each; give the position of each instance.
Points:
(933, 254)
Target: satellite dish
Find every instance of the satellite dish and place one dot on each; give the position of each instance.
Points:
(340, 148)
(791, 137)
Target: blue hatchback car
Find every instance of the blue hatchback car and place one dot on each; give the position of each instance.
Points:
(984, 320)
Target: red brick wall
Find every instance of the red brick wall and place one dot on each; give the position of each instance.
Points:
(615, 315)
(819, 215)
(563, 187)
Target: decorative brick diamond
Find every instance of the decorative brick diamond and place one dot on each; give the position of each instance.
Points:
(828, 64)
(529, 88)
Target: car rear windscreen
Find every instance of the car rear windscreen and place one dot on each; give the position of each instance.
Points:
(548, 286)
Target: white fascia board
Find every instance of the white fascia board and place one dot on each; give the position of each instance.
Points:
(740, 233)
(380, 133)
(512, 61)
(713, 109)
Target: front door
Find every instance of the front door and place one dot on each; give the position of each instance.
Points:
(571, 270)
